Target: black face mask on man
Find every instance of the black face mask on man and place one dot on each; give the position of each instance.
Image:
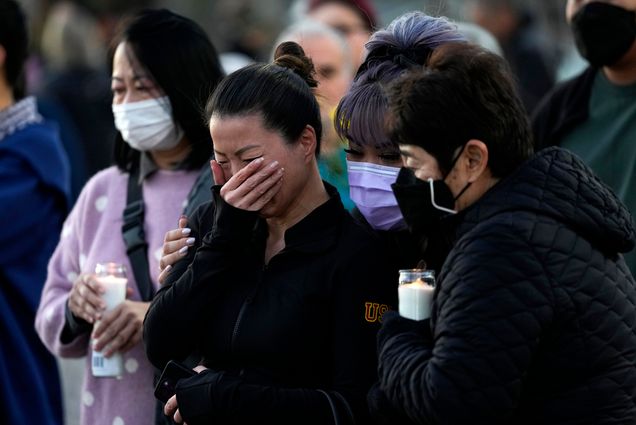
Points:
(603, 32)
(427, 208)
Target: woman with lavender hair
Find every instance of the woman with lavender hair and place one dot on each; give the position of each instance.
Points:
(373, 160)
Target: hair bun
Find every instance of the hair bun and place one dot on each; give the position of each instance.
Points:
(290, 55)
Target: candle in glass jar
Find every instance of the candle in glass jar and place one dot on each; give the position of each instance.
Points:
(111, 277)
(415, 299)
(114, 290)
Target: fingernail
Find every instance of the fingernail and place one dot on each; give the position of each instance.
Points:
(281, 171)
(185, 231)
(190, 241)
(94, 343)
(273, 164)
(168, 268)
(261, 159)
(183, 250)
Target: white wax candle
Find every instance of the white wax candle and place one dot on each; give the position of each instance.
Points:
(114, 294)
(415, 300)
(114, 290)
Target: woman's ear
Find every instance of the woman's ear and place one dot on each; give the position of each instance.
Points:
(476, 159)
(308, 143)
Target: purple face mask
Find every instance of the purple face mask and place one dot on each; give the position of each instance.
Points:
(370, 190)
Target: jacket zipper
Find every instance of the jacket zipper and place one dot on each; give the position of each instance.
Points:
(237, 324)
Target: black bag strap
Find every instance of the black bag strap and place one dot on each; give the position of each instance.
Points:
(134, 236)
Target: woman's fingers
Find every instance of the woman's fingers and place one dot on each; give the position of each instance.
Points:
(85, 298)
(175, 246)
(254, 187)
(134, 338)
(171, 406)
(241, 176)
(120, 329)
(217, 173)
(183, 221)
(164, 274)
(108, 328)
(176, 234)
(267, 196)
(177, 417)
(176, 251)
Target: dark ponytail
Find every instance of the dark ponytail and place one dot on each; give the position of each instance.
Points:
(281, 92)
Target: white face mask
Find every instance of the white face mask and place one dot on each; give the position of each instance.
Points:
(147, 125)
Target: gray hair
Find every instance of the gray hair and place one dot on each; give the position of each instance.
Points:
(308, 29)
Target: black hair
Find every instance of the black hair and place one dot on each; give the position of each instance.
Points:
(464, 92)
(181, 59)
(14, 38)
(281, 92)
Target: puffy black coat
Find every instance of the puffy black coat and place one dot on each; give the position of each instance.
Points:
(534, 317)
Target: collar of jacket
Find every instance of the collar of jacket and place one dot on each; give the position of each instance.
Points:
(555, 183)
(563, 110)
(18, 116)
(319, 230)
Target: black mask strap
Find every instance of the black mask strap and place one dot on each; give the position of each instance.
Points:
(451, 167)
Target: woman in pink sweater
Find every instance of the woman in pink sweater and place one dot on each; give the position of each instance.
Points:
(163, 69)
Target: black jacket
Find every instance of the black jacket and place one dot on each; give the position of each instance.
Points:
(287, 342)
(563, 109)
(402, 249)
(534, 316)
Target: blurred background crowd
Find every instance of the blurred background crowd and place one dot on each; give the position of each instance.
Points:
(68, 68)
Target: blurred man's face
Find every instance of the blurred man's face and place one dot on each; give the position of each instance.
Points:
(348, 23)
(333, 70)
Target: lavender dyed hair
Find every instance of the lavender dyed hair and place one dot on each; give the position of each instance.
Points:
(414, 35)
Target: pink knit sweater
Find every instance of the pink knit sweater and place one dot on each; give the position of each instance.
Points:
(92, 234)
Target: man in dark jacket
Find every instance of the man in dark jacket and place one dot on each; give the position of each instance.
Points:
(594, 114)
(533, 319)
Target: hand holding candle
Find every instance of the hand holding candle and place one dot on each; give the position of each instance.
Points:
(415, 293)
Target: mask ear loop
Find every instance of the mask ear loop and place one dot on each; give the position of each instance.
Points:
(439, 207)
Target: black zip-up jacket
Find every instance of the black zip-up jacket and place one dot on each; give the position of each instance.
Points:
(534, 315)
(567, 106)
(292, 341)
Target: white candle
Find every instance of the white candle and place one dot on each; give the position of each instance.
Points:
(114, 294)
(114, 290)
(415, 300)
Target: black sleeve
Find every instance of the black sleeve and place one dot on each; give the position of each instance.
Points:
(173, 323)
(364, 290)
(73, 326)
(492, 308)
(543, 122)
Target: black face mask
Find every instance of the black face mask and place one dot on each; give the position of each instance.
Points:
(603, 32)
(427, 208)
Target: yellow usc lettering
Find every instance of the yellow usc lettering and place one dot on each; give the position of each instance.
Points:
(373, 312)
